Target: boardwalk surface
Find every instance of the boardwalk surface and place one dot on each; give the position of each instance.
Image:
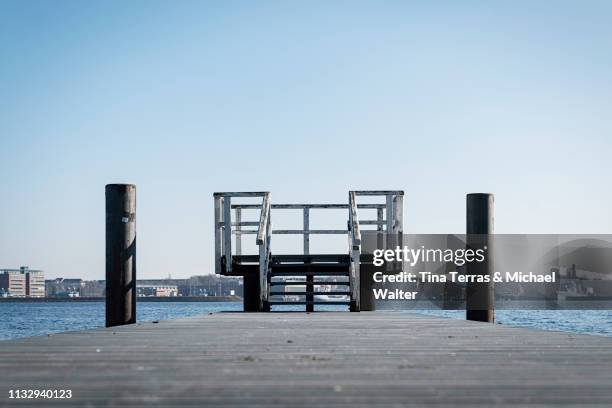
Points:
(295, 359)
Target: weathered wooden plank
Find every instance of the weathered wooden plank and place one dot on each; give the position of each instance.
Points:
(320, 359)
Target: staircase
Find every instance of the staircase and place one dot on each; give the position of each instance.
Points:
(274, 280)
(313, 273)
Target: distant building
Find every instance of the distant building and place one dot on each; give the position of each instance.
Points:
(64, 287)
(35, 283)
(157, 290)
(12, 283)
(22, 282)
(95, 288)
(203, 285)
(215, 285)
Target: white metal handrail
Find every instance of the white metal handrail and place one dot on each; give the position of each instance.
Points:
(264, 237)
(389, 218)
(263, 219)
(224, 224)
(354, 220)
(354, 251)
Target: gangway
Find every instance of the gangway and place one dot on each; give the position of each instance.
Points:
(268, 275)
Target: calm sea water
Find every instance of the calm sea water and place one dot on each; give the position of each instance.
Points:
(22, 319)
(597, 322)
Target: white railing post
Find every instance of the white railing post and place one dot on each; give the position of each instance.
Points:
(398, 223)
(264, 235)
(238, 231)
(357, 279)
(218, 234)
(389, 213)
(306, 229)
(227, 232)
(263, 260)
(266, 292)
(355, 253)
(309, 278)
(379, 227)
(398, 214)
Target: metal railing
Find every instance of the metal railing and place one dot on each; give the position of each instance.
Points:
(224, 224)
(354, 251)
(264, 238)
(388, 219)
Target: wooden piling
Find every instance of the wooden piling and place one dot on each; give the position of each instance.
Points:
(366, 286)
(120, 254)
(479, 296)
(251, 291)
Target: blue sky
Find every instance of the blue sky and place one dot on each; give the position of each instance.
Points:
(305, 99)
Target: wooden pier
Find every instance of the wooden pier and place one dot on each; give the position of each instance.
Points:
(311, 360)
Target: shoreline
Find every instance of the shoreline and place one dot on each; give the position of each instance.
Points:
(138, 299)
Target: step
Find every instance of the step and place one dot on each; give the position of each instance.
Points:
(245, 258)
(309, 273)
(343, 258)
(241, 269)
(314, 267)
(309, 293)
(314, 302)
(313, 258)
(319, 283)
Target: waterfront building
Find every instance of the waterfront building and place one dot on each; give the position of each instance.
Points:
(12, 283)
(157, 290)
(22, 282)
(93, 288)
(35, 283)
(64, 287)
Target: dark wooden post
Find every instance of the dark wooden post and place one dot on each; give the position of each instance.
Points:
(251, 289)
(479, 296)
(120, 254)
(366, 286)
